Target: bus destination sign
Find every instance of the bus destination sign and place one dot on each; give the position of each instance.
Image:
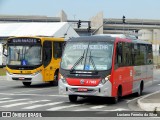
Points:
(24, 40)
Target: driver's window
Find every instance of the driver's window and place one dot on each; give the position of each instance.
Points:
(47, 52)
(119, 56)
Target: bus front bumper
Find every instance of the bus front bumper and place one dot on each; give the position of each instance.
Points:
(100, 90)
(37, 78)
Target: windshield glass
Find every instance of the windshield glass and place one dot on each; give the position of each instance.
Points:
(24, 55)
(87, 56)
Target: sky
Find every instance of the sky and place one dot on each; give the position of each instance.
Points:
(83, 9)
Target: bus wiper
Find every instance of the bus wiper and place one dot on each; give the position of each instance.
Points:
(92, 61)
(78, 61)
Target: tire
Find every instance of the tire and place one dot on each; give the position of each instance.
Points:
(140, 91)
(55, 79)
(115, 100)
(118, 97)
(72, 98)
(27, 84)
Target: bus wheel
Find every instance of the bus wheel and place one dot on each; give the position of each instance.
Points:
(73, 98)
(55, 80)
(27, 84)
(119, 94)
(139, 93)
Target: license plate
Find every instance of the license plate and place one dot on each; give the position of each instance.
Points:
(82, 89)
(21, 78)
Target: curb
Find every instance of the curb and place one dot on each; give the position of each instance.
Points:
(148, 106)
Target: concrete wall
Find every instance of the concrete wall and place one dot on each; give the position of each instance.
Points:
(97, 23)
(63, 16)
(145, 34)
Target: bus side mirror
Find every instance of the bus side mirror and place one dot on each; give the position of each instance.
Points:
(5, 50)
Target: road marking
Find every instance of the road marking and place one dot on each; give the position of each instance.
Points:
(128, 101)
(82, 109)
(13, 100)
(98, 107)
(118, 109)
(34, 95)
(158, 84)
(37, 106)
(23, 103)
(4, 98)
(62, 107)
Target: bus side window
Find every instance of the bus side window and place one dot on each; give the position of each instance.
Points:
(149, 54)
(141, 54)
(47, 52)
(57, 46)
(133, 54)
(119, 55)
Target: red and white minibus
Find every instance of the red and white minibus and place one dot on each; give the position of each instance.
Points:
(105, 66)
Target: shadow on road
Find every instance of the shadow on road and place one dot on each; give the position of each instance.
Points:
(41, 85)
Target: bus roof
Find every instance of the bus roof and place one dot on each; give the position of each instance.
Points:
(106, 38)
(92, 38)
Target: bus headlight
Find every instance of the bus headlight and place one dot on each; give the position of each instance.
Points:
(62, 78)
(36, 73)
(103, 81)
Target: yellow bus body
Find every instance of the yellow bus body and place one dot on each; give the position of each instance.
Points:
(47, 72)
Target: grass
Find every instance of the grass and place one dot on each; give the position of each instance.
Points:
(2, 71)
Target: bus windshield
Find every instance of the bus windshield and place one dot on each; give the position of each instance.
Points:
(24, 55)
(87, 56)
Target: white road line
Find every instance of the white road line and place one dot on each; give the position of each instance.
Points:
(62, 107)
(23, 103)
(13, 100)
(82, 109)
(158, 84)
(128, 101)
(98, 107)
(156, 79)
(118, 109)
(4, 98)
(34, 95)
(37, 106)
(5, 86)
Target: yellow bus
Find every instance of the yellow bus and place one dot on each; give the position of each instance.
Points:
(33, 59)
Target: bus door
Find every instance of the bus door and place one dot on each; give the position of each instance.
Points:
(123, 71)
(47, 58)
(57, 54)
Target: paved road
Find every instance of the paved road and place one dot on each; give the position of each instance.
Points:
(44, 97)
